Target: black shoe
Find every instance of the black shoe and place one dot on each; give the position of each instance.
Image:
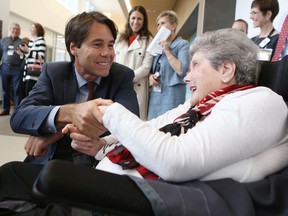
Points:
(4, 113)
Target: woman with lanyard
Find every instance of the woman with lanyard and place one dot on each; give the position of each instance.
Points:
(167, 88)
(262, 14)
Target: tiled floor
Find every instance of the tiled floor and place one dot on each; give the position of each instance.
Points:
(11, 144)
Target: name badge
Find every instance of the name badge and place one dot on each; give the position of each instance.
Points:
(264, 54)
(10, 50)
(264, 42)
(157, 88)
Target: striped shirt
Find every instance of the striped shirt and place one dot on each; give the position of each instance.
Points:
(36, 54)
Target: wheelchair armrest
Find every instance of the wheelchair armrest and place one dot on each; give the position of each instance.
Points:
(83, 187)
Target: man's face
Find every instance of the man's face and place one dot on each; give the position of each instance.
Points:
(96, 54)
(15, 31)
(240, 25)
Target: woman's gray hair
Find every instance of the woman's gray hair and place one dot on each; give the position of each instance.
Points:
(171, 16)
(230, 45)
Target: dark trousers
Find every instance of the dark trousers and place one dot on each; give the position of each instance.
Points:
(16, 182)
(120, 193)
(17, 179)
(11, 79)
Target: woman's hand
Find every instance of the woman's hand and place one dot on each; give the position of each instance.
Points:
(82, 143)
(24, 48)
(153, 81)
(165, 45)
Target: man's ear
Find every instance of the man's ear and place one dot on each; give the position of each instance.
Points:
(228, 72)
(73, 49)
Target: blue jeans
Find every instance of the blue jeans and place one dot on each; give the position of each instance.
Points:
(11, 78)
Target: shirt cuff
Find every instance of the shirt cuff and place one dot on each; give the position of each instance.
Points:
(49, 125)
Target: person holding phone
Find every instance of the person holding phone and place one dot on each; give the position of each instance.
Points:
(11, 68)
(167, 88)
(35, 55)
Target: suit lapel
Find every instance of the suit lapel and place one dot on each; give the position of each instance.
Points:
(102, 90)
(70, 86)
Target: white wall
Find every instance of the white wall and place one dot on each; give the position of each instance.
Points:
(49, 13)
(243, 8)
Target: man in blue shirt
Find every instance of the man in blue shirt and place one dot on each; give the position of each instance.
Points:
(11, 68)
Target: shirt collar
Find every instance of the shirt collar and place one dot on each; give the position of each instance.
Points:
(81, 81)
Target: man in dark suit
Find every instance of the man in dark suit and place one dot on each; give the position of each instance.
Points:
(59, 95)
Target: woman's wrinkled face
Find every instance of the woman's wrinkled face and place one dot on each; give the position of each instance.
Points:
(202, 78)
(136, 21)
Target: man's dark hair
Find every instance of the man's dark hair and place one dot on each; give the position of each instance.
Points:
(79, 26)
(243, 21)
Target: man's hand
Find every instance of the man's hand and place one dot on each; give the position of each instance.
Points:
(83, 143)
(36, 146)
(83, 116)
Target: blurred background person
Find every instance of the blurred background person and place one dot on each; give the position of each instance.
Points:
(11, 69)
(25, 41)
(240, 24)
(130, 50)
(34, 53)
(263, 12)
(168, 88)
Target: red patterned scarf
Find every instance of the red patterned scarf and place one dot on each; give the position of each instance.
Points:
(181, 124)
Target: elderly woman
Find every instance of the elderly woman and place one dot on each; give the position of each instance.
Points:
(228, 129)
(225, 132)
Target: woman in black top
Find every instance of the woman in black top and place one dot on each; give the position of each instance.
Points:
(262, 14)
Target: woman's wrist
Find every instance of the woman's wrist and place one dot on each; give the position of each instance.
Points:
(169, 56)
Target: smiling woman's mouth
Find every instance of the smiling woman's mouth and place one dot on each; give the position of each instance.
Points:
(193, 88)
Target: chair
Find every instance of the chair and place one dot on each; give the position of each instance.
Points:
(224, 196)
(275, 76)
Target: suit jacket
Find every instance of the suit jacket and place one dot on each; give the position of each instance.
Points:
(57, 85)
